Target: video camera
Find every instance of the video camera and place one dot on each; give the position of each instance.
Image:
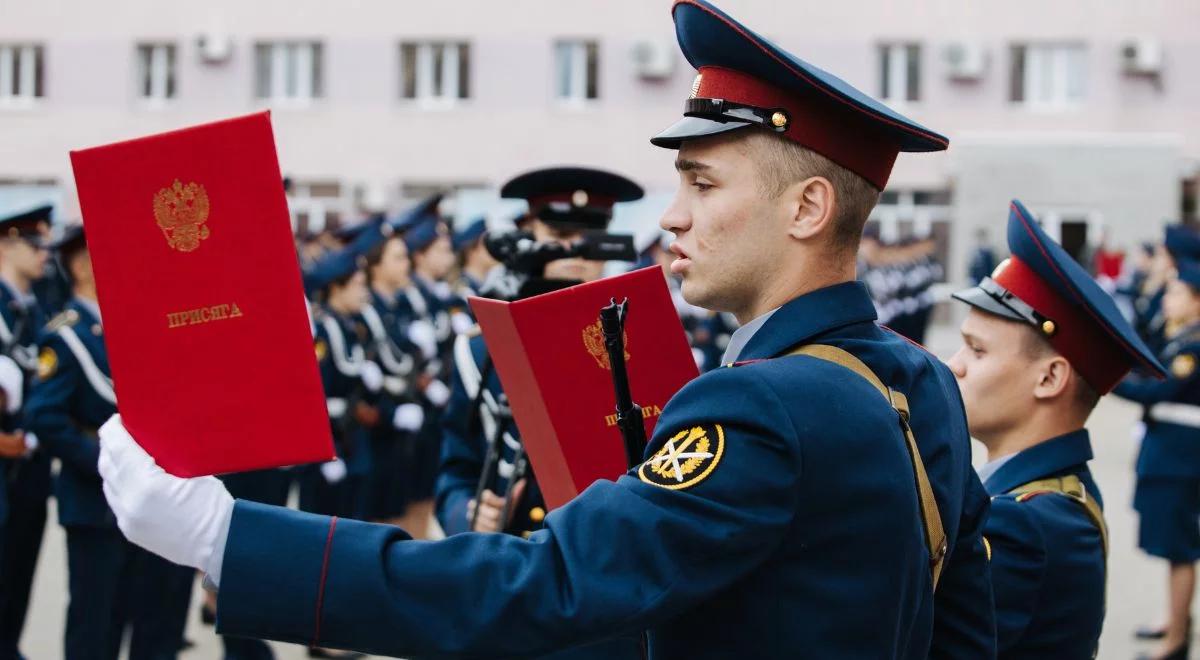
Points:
(524, 260)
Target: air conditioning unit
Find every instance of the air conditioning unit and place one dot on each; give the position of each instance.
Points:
(965, 60)
(654, 59)
(215, 48)
(1142, 57)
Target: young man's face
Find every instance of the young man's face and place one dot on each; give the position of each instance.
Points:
(727, 235)
(993, 372)
(1181, 304)
(393, 267)
(27, 259)
(437, 260)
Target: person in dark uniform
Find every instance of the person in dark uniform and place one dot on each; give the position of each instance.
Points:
(438, 314)
(564, 202)
(113, 584)
(475, 262)
(393, 438)
(816, 499)
(1167, 495)
(26, 468)
(1041, 343)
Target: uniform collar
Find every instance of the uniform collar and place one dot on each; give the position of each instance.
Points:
(809, 315)
(1047, 458)
(743, 335)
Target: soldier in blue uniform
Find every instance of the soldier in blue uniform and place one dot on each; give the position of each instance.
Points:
(350, 382)
(1167, 496)
(438, 315)
(1041, 343)
(815, 500)
(26, 469)
(475, 262)
(113, 584)
(499, 492)
(400, 413)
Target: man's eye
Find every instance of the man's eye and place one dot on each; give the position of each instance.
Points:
(702, 187)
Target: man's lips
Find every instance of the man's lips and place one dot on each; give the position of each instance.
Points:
(682, 261)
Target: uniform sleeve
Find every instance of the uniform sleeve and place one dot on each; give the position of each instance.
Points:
(48, 409)
(1148, 391)
(461, 462)
(621, 557)
(1018, 565)
(964, 621)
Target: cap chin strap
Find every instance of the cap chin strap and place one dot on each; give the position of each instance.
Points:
(1012, 302)
(772, 119)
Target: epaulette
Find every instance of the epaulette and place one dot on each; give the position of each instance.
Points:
(1023, 497)
(63, 318)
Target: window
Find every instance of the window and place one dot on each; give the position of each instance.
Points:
(899, 72)
(318, 205)
(1048, 75)
(577, 67)
(288, 71)
(156, 71)
(435, 71)
(21, 73)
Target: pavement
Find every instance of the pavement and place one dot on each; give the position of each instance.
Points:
(1136, 589)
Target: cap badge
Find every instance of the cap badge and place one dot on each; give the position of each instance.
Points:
(696, 85)
(579, 198)
(181, 212)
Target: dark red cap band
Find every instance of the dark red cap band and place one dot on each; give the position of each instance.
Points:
(592, 201)
(827, 128)
(1085, 344)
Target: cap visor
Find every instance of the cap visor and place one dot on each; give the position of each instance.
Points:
(980, 299)
(691, 128)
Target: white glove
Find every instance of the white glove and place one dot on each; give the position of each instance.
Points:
(408, 417)
(437, 393)
(181, 520)
(461, 322)
(372, 376)
(334, 471)
(421, 333)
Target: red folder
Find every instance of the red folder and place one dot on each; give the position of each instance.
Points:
(549, 354)
(199, 285)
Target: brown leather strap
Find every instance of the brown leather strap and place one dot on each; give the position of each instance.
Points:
(935, 533)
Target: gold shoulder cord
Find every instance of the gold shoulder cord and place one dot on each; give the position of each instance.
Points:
(1070, 486)
(935, 534)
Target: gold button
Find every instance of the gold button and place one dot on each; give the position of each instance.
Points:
(526, 534)
(1048, 327)
(537, 514)
(779, 119)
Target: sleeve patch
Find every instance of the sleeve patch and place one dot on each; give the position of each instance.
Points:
(1183, 365)
(47, 363)
(686, 459)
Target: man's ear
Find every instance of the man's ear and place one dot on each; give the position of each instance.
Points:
(1055, 376)
(812, 205)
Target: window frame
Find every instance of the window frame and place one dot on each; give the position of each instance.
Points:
(430, 69)
(584, 64)
(18, 70)
(285, 60)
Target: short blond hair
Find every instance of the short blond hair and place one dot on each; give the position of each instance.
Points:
(783, 162)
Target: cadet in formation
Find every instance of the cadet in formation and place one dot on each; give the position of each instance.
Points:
(24, 466)
(1041, 343)
(1167, 495)
(113, 584)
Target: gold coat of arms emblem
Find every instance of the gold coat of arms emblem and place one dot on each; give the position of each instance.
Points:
(181, 211)
(593, 340)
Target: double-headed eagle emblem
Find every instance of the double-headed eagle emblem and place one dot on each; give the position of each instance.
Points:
(593, 340)
(181, 211)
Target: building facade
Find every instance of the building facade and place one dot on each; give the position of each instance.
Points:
(1087, 111)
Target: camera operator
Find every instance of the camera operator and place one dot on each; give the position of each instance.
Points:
(484, 483)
